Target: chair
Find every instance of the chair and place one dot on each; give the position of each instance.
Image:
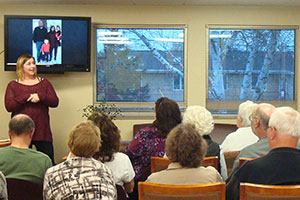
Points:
(5, 142)
(137, 127)
(158, 163)
(21, 189)
(242, 160)
(250, 191)
(211, 161)
(229, 159)
(211, 191)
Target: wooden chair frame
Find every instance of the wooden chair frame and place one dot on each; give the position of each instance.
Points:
(268, 190)
(207, 161)
(242, 160)
(181, 189)
(229, 159)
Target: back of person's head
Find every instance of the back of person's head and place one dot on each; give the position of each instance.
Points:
(168, 115)
(21, 124)
(110, 136)
(200, 117)
(263, 112)
(186, 146)
(286, 120)
(84, 139)
(245, 110)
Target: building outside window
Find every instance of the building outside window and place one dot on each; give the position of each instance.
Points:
(250, 63)
(135, 65)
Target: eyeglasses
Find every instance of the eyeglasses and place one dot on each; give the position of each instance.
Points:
(251, 118)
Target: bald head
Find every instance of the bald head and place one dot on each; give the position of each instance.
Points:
(21, 124)
(263, 112)
(260, 119)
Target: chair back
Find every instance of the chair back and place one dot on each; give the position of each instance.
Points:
(242, 160)
(5, 142)
(159, 164)
(229, 159)
(211, 191)
(137, 127)
(250, 191)
(21, 189)
(211, 161)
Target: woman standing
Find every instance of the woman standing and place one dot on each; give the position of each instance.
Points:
(32, 95)
(53, 42)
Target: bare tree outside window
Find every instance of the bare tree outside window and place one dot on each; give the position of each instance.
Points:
(139, 64)
(250, 63)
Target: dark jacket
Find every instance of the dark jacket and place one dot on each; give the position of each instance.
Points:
(39, 34)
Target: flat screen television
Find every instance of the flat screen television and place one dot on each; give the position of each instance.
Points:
(58, 44)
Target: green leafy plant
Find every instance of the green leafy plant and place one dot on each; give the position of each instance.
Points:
(109, 109)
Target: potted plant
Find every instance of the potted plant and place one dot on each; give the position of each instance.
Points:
(109, 109)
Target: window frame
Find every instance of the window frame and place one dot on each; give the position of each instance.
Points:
(233, 105)
(181, 84)
(132, 108)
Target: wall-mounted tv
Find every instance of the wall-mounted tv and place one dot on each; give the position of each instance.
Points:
(58, 44)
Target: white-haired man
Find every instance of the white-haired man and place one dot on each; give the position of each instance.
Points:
(244, 135)
(259, 124)
(281, 165)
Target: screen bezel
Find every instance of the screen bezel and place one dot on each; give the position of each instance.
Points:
(58, 68)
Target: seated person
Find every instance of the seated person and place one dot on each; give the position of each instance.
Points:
(244, 135)
(18, 160)
(150, 141)
(186, 148)
(117, 162)
(3, 187)
(202, 119)
(281, 165)
(81, 176)
(260, 117)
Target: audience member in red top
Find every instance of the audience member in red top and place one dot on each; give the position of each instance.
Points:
(32, 95)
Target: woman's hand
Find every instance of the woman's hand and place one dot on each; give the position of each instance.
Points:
(34, 98)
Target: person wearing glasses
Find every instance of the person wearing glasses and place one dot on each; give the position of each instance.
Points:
(281, 165)
(244, 135)
(259, 123)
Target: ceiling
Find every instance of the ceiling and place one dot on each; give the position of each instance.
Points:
(160, 2)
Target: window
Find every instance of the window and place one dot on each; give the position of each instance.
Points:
(137, 65)
(250, 63)
(178, 83)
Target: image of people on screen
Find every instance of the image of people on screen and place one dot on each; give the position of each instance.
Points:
(45, 50)
(39, 34)
(47, 32)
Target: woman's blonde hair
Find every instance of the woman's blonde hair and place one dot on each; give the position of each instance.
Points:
(84, 139)
(20, 63)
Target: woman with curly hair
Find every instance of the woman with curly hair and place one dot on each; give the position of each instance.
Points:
(117, 162)
(186, 148)
(150, 141)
